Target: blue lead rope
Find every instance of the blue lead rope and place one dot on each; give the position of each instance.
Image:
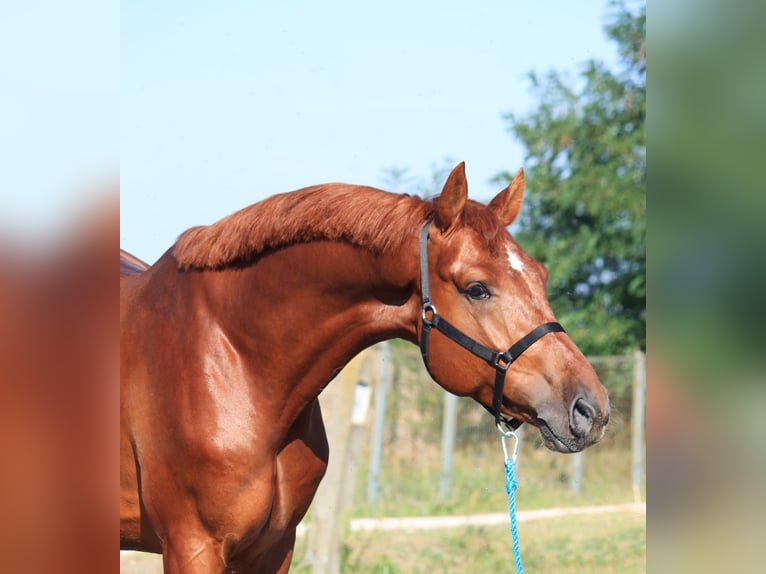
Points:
(510, 487)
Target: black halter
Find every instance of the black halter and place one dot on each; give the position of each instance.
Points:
(500, 360)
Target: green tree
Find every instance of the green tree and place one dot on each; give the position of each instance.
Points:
(585, 208)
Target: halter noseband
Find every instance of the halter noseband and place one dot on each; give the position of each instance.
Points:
(500, 360)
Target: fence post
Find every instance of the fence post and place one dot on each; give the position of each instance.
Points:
(638, 421)
(376, 449)
(337, 402)
(449, 428)
(356, 437)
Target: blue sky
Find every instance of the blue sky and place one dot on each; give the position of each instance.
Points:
(59, 109)
(220, 104)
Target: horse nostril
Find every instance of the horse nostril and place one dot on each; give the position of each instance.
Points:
(581, 417)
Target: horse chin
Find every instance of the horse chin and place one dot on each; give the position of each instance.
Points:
(557, 443)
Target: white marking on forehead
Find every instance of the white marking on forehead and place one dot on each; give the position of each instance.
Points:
(514, 260)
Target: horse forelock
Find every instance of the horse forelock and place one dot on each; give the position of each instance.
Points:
(362, 216)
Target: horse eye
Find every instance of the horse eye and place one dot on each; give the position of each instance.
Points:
(478, 291)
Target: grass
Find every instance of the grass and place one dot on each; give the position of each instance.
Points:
(597, 544)
(409, 487)
(410, 476)
(584, 544)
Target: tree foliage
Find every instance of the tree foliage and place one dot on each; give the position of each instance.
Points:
(585, 209)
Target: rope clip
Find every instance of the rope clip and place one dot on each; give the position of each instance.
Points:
(505, 434)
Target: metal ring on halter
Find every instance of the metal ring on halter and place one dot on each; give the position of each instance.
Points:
(509, 434)
(502, 361)
(429, 308)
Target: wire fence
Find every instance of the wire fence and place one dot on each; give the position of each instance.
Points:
(402, 447)
(420, 432)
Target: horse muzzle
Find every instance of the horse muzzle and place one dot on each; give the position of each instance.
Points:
(582, 425)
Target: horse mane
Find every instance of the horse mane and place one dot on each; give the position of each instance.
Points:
(362, 216)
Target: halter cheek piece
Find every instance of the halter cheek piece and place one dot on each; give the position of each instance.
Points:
(500, 360)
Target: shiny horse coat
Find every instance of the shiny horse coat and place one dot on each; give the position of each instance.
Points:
(228, 339)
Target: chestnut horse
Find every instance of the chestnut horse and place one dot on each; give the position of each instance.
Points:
(229, 338)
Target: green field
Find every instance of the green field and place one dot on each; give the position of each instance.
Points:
(580, 544)
(411, 474)
(409, 488)
(600, 544)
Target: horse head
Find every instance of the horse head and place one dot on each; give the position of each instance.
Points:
(493, 294)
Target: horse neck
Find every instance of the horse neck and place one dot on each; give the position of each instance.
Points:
(300, 314)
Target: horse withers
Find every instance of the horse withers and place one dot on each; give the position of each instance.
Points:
(228, 339)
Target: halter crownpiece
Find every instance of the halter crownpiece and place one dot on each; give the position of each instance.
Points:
(500, 360)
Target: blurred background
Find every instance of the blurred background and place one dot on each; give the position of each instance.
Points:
(706, 393)
(421, 452)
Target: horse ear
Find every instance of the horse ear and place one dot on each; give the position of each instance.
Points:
(508, 202)
(453, 197)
